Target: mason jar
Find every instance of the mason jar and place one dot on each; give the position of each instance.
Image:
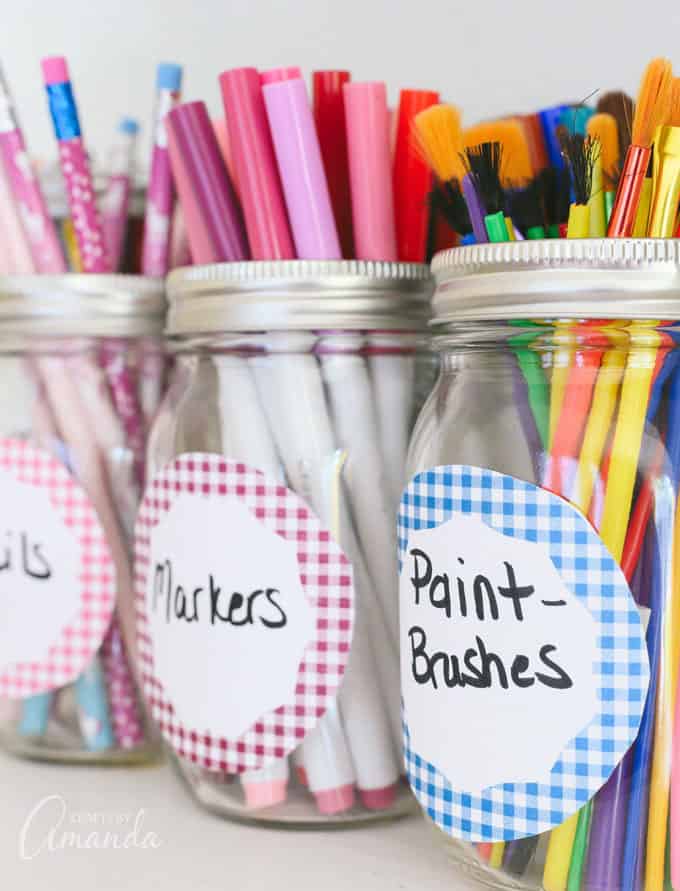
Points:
(73, 425)
(266, 545)
(540, 620)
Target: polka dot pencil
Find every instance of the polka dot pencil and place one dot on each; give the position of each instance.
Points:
(75, 166)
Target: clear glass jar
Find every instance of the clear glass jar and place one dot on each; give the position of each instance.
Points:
(302, 375)
(555, 415)
(78, 354)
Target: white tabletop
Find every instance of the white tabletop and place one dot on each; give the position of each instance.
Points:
(196, 850)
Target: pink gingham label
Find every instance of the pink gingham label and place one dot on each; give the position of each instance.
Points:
(57, 579)
(245, 611)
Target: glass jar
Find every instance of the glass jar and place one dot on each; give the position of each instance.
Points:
(540, 622)
(75, 413)
(283, 436)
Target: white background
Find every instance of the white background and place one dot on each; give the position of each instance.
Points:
(489, 57)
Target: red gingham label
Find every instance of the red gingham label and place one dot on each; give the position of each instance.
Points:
(326, 579)
(74, 645)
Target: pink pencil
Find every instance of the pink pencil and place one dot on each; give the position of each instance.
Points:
(117, 196)
(75, 166)
(160, 195)
(15, 251)
(41, 233)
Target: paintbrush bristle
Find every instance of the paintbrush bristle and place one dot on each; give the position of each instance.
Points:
(581, 155)
(516, 166)
(484, 162)
(604, 128)
(674, 117)
(653, 106)
(526, 206)
(438, 135)
(620, 106)
(447, 199)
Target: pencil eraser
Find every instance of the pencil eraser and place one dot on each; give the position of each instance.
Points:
(55, 70)
(378, 799)
(169, 76)
(335, 801)
(275, 75)
(128, 125)
(268, 794)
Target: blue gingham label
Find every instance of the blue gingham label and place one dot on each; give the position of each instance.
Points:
(524, 663)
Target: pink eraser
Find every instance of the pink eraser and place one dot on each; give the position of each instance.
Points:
(335, 801)
(274, 75)
(260, 795)
(378, 799)
(55, 70)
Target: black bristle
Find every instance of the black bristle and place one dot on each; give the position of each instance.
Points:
(581, 155)
(484, 165)
(447, 199)
(556, 188)
(563, 195)
(526, 206)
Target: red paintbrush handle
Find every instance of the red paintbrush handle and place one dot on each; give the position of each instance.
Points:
(627, 199)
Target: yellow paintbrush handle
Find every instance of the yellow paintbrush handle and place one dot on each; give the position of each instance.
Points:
(578, 225)
(660, 780)
(599, 423)
(666, 184)
(558, 855)
(640, 227)
(637, 380)
(598, 220)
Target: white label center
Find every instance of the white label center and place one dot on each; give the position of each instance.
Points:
(494, 643)
(40, 591)
(228, 617)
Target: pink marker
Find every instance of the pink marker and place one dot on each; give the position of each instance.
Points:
(255, 167)
(160, 194)
(75, 166)
(370, 168)
(117, 196)
(298, 154)
(211, 210)
(275, 75)
(41, 233)
(222, 136)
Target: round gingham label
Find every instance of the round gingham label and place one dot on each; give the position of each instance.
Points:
(57, 579)
(523, 657)
(245, 611)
